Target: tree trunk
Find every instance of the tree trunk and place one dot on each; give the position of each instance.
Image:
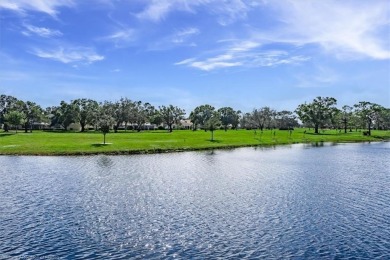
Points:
(170, 128)
(26, 127)
(82, 127)
(316, 129)
(369, 128)
(116, 128)
(345, 126)
(104, 138)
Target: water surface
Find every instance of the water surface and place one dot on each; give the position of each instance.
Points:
(286, 202)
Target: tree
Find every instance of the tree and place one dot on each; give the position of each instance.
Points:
(116, 113)
(246, 121)
(200, 115)
(6, 104)
(171, 115)
(262, 117)
(104, 123)
(85, 111)
(318, 113)
(128, 111)
(63, 115)
(213, 123)
(285, 120)
(368, 113)
(229, 117)
(385, 119)
(346, 114)
(142, 113)
(14, 118)
(31, 113)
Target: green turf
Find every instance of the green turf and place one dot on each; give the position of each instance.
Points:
(74, 143)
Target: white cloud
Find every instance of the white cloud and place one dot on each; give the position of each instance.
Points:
(41, 31)
(226, 11)
(70, 55)
(346, 29)
(184, 34)
(45, 6)
(183, 38)
(218, 62)
(244, 54)
(121, 38)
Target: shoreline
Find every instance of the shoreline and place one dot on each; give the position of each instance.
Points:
(180, 150)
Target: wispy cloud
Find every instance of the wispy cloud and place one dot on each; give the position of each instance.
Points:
(40, 31)
(184, 37)
(78, 55)
(225, 11)
(184, 34)
(49, 7)
(346, 29)
(120, 38)
(218, 62)
(244, 54)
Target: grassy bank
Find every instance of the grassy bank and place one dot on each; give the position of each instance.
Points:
(73, 143)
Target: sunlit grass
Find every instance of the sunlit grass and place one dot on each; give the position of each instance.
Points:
(72, 143)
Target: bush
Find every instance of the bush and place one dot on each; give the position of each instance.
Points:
(161, 128)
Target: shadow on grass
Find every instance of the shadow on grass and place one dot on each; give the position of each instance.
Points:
(100, 144)
(70, 132)
(214, 141)
(322, 134)
(6, 134)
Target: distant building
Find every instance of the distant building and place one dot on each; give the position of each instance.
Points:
(186, 124)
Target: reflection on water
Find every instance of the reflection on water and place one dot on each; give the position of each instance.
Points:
(284, 202)
(104, 161)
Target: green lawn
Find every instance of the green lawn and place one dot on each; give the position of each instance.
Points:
(74, 143)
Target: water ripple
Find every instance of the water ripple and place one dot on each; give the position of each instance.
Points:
(290, 202)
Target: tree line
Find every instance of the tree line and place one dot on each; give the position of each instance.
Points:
(321, 112)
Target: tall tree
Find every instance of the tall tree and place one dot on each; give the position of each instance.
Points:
(143, 113)
(229, 117)
(6, 104)
(114, 110)
(63, 115)
(319, 112)
(262, 117)
(31, 113)
(200, 115)
(385, 119)
(368, 113)
(346, 114)
(128, 111)
(247, 122)
(14, 118)
(171, 115)
(85, 111)
(286, 120)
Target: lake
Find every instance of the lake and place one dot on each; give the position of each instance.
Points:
(299, 201)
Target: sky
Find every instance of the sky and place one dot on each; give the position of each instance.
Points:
(240, 53)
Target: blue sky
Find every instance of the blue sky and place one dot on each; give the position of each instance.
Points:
(240, 53)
